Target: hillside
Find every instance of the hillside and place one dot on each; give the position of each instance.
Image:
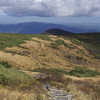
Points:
(76, 56)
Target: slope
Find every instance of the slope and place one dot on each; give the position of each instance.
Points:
(55, 55)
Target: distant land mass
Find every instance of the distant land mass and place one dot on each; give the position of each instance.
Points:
(38, 27)
(56, 31)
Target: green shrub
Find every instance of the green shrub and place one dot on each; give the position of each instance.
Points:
(5, 64)
(12, 76)
(79, 58)
(61, 42)
(60, 70)
(83, 72)
(2, 79)
(55, 45)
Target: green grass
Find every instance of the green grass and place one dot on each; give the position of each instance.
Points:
(54, 45)
(14, 79)
(83, 72)
(91, 41)
(12, 76)
(59, 42)
(51, 70)
(10, 40)
(44, 37)
(78, 71)
(5, 64)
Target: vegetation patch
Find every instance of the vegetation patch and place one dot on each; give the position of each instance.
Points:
(36, 41)
(78, 71)
(83, 72)
(59, 42)
(44, 37)
(51, 70)
(91, 41)
(10, 40)
(54, 45)
(87, 88)
(5, 64)
(14, 80)
(12, 76)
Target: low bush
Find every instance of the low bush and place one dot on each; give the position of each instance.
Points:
(61, 42)
(83, 72)
(2, 79)
(5, 64)
(51, 70)
(54, 45)
(12, 76)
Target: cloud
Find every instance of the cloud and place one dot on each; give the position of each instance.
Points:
(51, 8)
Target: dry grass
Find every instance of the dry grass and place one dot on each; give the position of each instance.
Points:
(27, 55)
(39, 53)
(82, 89)
(16, 84)
(7, 94)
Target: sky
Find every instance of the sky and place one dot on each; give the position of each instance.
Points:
(51, 11)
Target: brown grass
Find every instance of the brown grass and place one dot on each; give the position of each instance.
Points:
(6, 94)
(82, 89)
(28, 56)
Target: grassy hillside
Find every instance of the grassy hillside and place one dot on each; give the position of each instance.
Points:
(70, 62)
(15, 84)
(10, 40)
(91, 41)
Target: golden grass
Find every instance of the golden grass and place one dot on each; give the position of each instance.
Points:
(82, 89)
(6, 94)
(42, 55)
(30, 58)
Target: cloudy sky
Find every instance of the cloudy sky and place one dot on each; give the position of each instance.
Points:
(54, 11)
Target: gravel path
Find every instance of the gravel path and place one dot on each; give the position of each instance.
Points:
(54, 93)
(57, 94)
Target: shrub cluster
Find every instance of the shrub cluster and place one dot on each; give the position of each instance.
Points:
(59, 42)
(83, 72)
(5, 64)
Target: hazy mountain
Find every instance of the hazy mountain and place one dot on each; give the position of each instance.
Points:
(37, 27)
(89, 27)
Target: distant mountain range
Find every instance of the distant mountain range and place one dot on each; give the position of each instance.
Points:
(38, 27)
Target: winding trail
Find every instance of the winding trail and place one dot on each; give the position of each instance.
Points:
(57, 94)
(54, 93)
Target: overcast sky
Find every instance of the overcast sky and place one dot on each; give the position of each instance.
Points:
(54, 11)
